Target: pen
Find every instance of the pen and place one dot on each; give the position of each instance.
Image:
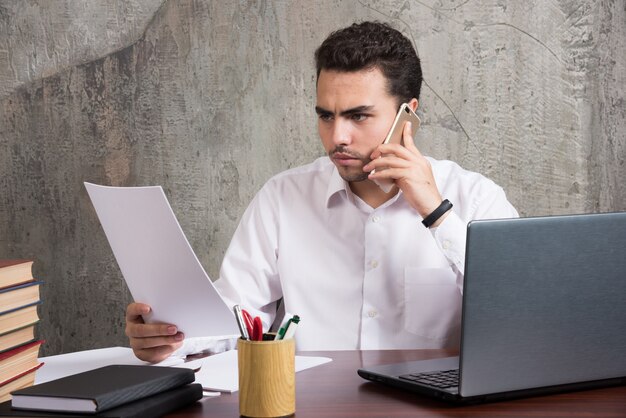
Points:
(257, 331)
(291, 329)
(281, 330)
(242, 327)
(253, 325)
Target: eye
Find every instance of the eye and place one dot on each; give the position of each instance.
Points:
(325, 117)
(359, 117)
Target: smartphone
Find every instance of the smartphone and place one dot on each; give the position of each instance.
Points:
(405, 114)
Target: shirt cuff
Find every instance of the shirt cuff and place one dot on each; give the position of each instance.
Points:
(450, 237)
(210, 345)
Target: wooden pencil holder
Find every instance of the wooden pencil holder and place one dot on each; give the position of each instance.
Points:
(267, 378)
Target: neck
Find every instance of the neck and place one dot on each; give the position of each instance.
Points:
(370, 193)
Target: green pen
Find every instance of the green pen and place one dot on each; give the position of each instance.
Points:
(281, 332)
(291, 328)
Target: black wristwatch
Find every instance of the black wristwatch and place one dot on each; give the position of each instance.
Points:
(437, 213)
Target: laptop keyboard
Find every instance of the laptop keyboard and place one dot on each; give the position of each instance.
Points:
(440, 379)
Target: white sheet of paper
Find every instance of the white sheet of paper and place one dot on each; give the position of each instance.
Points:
(158, 264)
(220, 372)
(56, 367)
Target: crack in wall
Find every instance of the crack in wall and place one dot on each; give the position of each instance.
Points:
(425, 82)
(469, 24)
(455, 7)
(469, 138)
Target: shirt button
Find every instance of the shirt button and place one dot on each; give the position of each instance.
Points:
(376, 219)
(374, 264)
(446, 244)
(372, 314)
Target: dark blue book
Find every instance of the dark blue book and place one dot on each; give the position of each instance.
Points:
(151, 407)
(16, 297)
(17, 318)
(101, 389)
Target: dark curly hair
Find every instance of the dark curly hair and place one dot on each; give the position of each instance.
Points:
(374, 45)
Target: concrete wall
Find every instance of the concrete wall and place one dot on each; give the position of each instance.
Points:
(211, 98)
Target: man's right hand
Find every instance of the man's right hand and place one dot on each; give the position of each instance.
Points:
(150, 342)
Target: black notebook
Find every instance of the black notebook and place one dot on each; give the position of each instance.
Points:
(101, 389)
(151, 407)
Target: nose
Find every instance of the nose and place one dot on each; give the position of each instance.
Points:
(341, 133)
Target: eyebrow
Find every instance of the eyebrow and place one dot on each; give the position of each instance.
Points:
(347, 112)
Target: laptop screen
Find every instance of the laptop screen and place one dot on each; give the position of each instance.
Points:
(544, 302)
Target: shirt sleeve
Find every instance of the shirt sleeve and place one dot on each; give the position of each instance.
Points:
(249, 273)
(451, 233)
(209, 345)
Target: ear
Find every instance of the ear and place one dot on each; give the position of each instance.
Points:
(413, 103)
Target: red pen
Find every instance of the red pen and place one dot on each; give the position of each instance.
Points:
(257, 329)
(253, 325)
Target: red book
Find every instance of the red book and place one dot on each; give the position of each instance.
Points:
(19, 359)
(19, 381)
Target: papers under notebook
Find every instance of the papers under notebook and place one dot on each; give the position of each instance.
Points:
(220, 372)
(157, 262)
(61, 365)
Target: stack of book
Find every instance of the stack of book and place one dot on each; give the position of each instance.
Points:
(19, 350)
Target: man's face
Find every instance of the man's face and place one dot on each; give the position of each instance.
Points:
(355, 112)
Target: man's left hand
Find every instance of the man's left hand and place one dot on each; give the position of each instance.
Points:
(409, 170)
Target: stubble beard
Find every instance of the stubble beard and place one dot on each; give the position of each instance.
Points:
(351, 174)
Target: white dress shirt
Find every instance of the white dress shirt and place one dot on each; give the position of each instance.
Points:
(358, 277)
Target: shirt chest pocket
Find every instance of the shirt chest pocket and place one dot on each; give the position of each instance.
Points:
(432, 302)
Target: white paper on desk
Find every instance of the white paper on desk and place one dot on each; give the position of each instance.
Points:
(220, 372)
(158, 264)
(56, 367)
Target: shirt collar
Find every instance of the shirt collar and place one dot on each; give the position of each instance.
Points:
(337, 184)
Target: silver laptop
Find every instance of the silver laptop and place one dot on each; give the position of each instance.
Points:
(544, 311)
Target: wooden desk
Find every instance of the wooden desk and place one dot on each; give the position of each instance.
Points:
(335, 390)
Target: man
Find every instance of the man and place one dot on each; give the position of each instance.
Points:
(354, 262)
